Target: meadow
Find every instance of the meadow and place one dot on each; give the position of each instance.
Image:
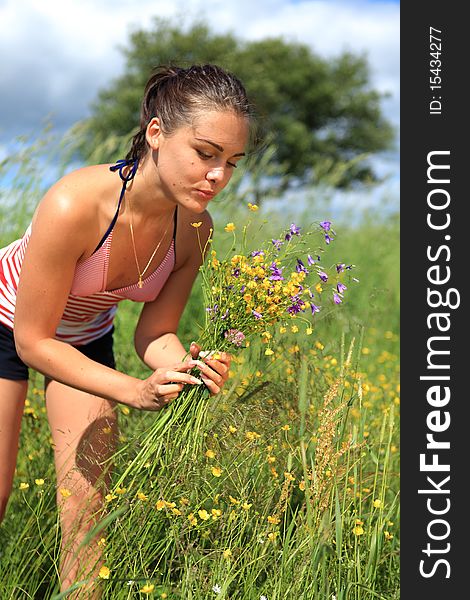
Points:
(294, 491)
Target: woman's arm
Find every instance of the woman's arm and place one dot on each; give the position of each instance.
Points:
(156, 339)
(58, 240)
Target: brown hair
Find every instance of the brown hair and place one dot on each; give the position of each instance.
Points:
(175, 95)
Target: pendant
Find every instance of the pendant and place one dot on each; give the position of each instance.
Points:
(140, 284)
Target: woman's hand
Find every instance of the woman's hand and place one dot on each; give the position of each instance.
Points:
(164, 385)
(214, 367)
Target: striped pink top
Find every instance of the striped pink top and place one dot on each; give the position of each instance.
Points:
(90, 308)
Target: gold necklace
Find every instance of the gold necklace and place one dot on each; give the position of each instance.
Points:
(131, 223)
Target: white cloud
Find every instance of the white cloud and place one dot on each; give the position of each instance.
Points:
(60, 52)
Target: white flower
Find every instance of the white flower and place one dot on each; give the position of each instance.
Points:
(263, 598)
(130, 582)
(216, 589)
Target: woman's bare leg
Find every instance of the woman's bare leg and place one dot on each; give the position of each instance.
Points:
(12, 399)
(84, 431)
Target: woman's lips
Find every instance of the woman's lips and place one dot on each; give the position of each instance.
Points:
(206, 194)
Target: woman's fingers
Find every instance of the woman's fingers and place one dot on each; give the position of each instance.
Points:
(214, 370)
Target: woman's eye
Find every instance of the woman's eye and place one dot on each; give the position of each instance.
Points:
(203, 155)
(232, 165)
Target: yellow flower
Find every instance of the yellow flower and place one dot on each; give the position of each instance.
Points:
(358, 529)
(216, 471)
(24, 486)
(319, 288)
(273, 520)
(253, 207)
(227, 553)
(378, 503)
(233, 500)
(285, 428)
(148, 588)
(294, 329)
(272, 535)
(176, 511)
(184, 501)
(229, 227)
(142, 496)
(302, 485)
(39, 482)
(203, 514)
(246, 506)
(282, 329)
(210, 454)
(160, 505)
(163, 595)
(232, 429)
(120, 490)
(271, 459)
(216, 513)
(388, 536)
(101, 542)
(252, 435)
(309, 331)
(65, 493)
(192, 519)
(268, 352)
(125, 410)
(319, 345)
(109, 497)
(104, 573)
(196, 225)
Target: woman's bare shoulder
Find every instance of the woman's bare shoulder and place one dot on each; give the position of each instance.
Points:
(80, 200)
(80, 193)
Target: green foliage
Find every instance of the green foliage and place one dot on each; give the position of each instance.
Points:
(313, 111)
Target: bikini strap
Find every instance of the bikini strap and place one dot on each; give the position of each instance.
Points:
(120, 166)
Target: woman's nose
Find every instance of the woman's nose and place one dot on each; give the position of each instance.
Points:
(216, 174)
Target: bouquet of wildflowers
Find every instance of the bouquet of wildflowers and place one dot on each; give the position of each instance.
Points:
(246, 294)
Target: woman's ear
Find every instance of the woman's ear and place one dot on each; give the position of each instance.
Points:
(152, 133)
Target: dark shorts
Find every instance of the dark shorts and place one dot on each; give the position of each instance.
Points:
(12, 367)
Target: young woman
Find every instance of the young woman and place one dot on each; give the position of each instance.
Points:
(102, 234)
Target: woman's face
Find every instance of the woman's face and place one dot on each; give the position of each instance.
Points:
(197, 161)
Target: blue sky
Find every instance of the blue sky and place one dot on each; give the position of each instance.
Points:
(57, 54)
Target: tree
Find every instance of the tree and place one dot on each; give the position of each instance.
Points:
(316, 113)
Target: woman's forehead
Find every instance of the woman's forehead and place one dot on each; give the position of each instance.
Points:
(221, 127)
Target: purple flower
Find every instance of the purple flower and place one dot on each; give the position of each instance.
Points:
(314, 308)
(328, 238)
(336, 298)
(236, 272)
(242, 289)
(300, 267)
(310, 260)
(256, 314)
(276, 272)
(340, 267)
(294, 230)
(341, 287)
(326, 225)
(277, 244)
(323, 276)
(257, 253)
(297, 305)
(235, 336)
